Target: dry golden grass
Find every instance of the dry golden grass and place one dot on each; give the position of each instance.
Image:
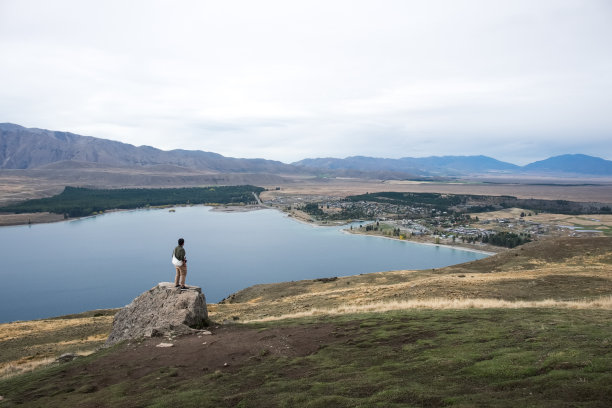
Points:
(604, 303)
(23, 365)
(20, 329)
(562, 271)
(15, 188)
(559, 223)
(25, 346)
(344, 187)
(29, 218)
(546, 218)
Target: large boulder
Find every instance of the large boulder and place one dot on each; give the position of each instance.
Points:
(159, 311)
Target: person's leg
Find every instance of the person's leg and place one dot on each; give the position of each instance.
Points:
(178, 275)
(183, 275)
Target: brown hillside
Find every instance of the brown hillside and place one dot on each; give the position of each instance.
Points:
(563, 269)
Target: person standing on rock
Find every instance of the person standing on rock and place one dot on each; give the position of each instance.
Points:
(181, 265)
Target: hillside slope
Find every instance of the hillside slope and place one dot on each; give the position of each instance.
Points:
(572, 163)
(22, 148)
(561, 269)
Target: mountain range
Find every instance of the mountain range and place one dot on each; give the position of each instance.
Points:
(23, 148)
(567, 164)
(31, 148)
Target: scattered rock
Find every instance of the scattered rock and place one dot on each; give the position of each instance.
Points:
(326, 280)
(87, 389)
(66, 357)
(165, 345)
(161, 311)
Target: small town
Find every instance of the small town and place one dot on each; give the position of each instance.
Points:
(424, 224)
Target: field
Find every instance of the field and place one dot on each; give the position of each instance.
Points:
(594, 222)
(583, 190)
(29, 218)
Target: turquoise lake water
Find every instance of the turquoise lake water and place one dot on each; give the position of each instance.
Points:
(107, 260)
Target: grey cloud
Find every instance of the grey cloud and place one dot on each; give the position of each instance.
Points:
(288, 80)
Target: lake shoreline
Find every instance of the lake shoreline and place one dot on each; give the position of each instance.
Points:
(12, 220)
(459, 247)
(228, 253)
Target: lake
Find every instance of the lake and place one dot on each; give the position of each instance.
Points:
(107, 260)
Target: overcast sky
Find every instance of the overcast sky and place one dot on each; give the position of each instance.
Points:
(286, 80)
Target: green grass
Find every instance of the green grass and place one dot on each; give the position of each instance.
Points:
(529, 357)
(606, 230)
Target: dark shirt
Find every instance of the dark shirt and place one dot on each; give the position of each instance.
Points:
(179, 253)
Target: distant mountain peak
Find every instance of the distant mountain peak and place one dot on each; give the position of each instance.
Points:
(465, 165)
(576, 163)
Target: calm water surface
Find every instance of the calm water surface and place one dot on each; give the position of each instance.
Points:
(106, 261)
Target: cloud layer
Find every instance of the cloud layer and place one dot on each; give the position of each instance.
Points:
(519, 81)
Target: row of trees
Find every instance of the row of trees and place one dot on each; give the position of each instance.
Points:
(506, 239)
(503, 238)
(480, 203)
(313, 209)
(348, 213)
(434, 200)
(77, 201)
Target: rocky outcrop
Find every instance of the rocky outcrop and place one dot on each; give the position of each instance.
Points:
(160, 311)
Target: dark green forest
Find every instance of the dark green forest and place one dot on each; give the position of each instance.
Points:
(435, 200)
(78, 201)
(506, 239)
(350, 213)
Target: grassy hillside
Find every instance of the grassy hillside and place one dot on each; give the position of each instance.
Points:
(527, 327)
(492, 357)
(567, 269)
(25, 345)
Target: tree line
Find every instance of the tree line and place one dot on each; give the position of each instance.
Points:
(348, 213)
(506, 239)
(79, 201)
(480, 203)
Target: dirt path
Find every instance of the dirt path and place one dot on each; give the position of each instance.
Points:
(227, 348)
